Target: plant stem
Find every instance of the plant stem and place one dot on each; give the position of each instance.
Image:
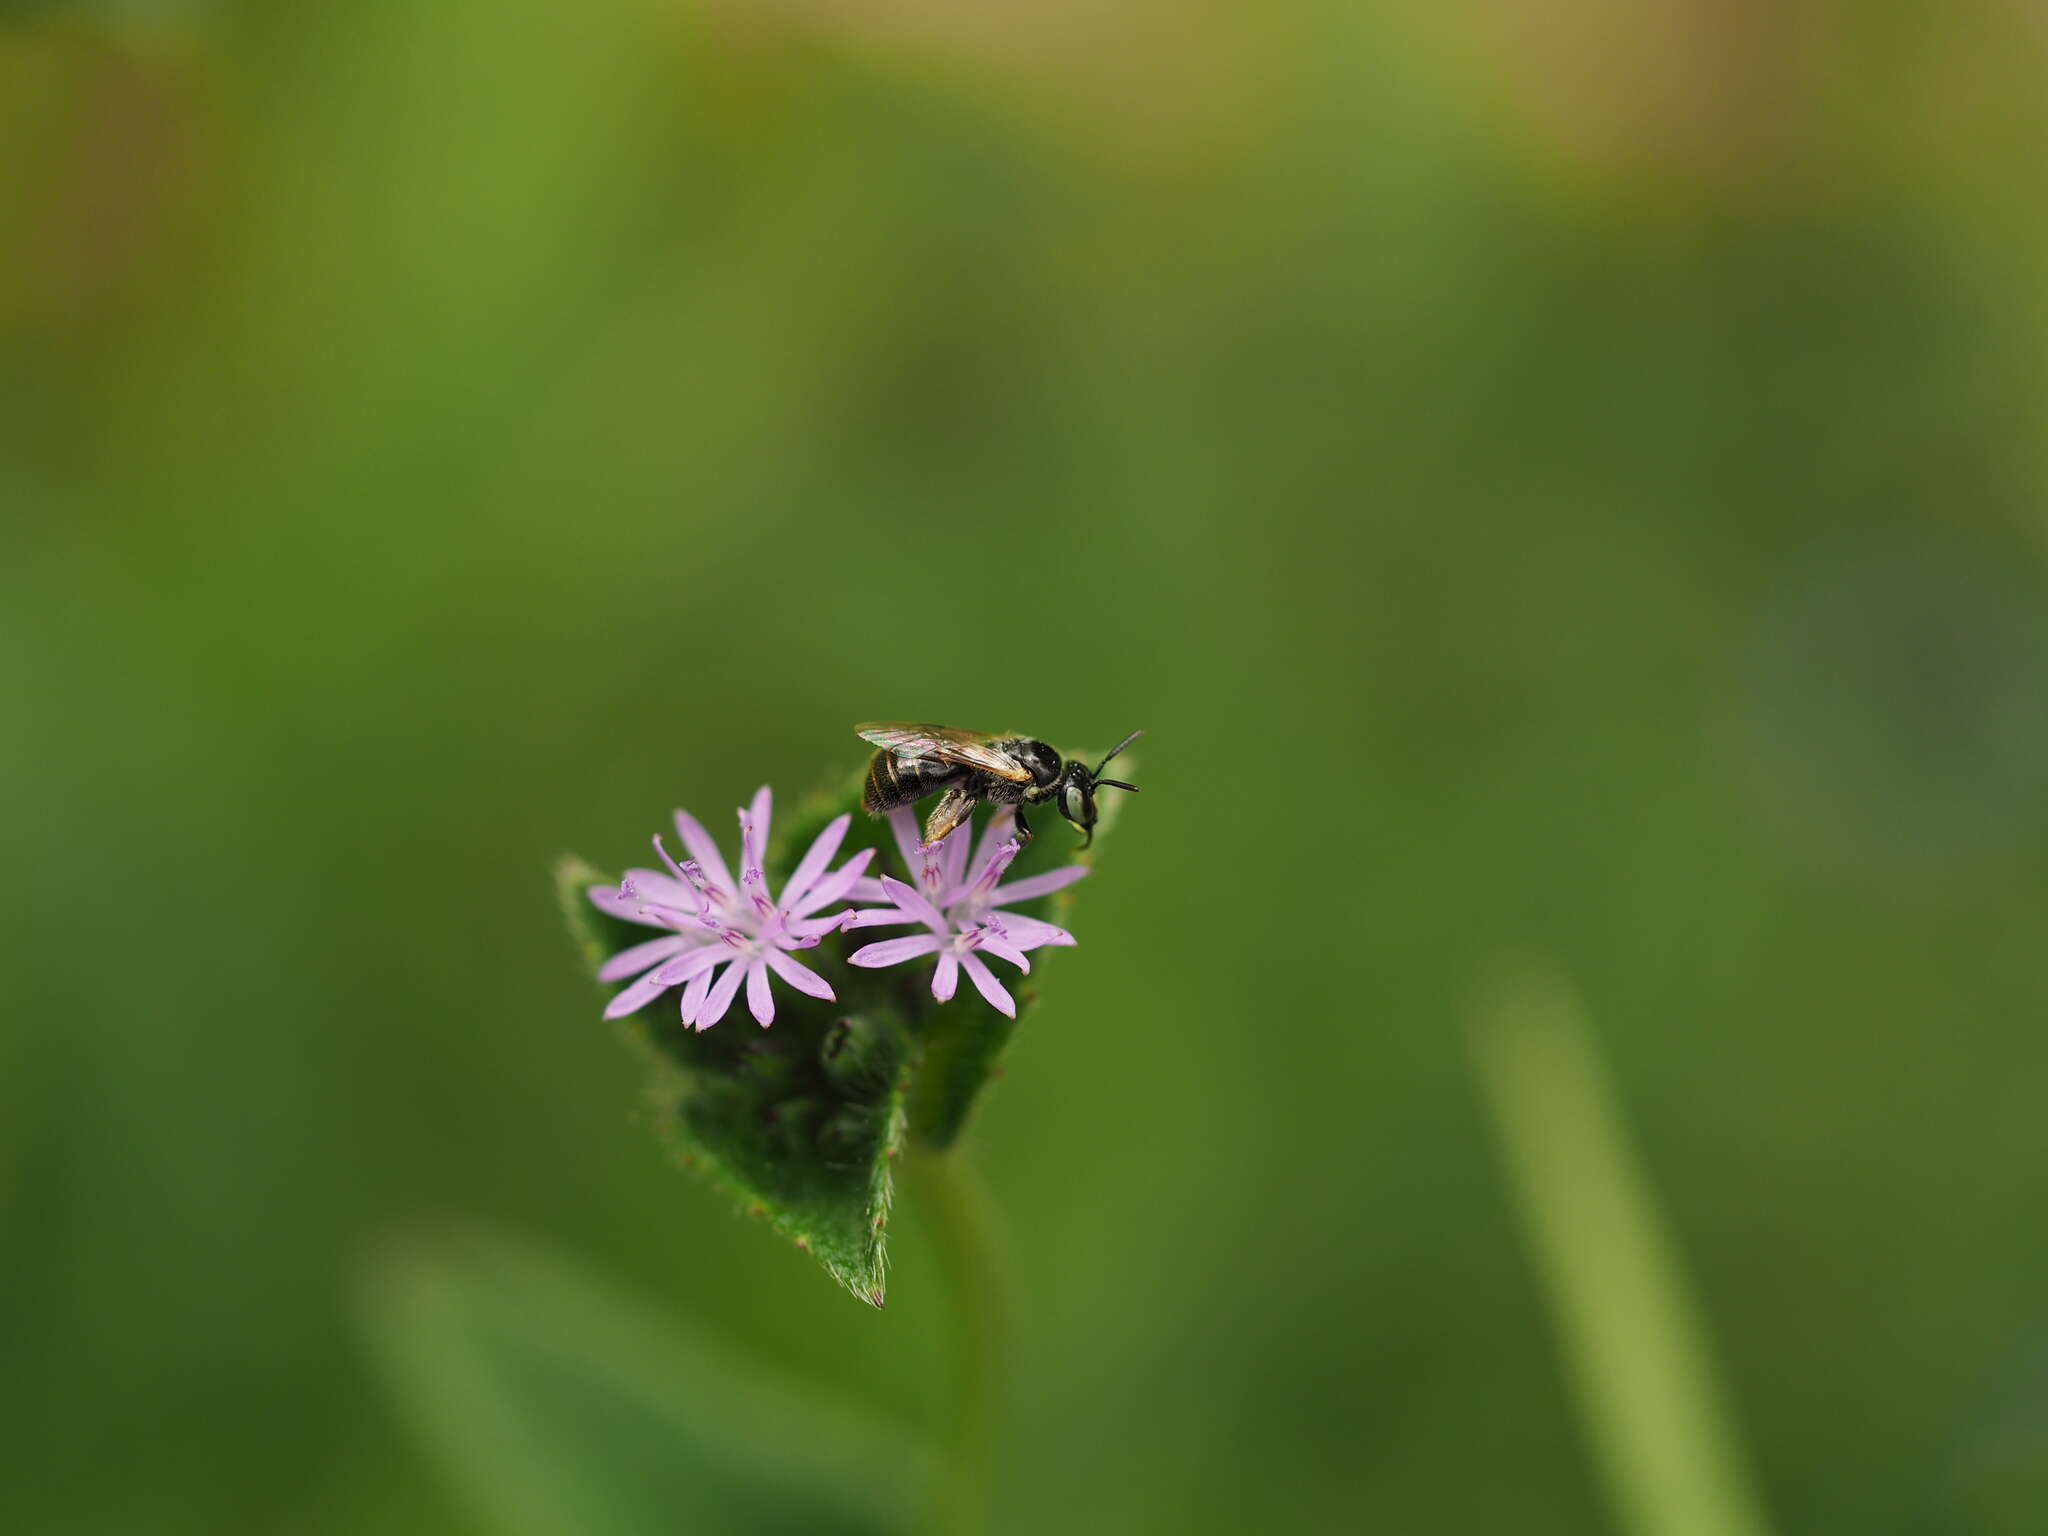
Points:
(960, 1224)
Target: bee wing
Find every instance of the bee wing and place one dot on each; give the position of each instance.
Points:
(944, 744)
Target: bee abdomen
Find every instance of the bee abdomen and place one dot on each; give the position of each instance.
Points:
(894, 781)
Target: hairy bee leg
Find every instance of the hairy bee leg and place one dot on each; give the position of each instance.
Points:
(953, 808)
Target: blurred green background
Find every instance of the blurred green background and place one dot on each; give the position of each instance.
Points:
(1562, 478)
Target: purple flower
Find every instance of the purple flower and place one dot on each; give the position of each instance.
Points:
(721, 933)
(962, 915)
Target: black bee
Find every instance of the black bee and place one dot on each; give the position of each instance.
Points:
(915, 760)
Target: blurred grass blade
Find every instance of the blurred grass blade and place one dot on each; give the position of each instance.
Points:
(558, 1407)
(1632, 1342)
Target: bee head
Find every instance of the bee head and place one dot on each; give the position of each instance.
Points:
(1077, 792)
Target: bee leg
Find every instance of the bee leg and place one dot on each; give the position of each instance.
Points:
(1023, 826)
(953, 808)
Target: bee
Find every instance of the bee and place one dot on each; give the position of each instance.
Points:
(969, 766)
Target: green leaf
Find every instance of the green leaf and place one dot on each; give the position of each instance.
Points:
(800, 1122)
(559, 1407)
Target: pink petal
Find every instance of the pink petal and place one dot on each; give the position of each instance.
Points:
(895, 951)
(912, 900)
(651, 885)
(704, 851)
(814, 862)
(1002, 822)
(679, 904)
(626, 909)
(760, 1001)
(835, 885)
(953, 857)
(1029, 933)
(693, 995)
(694, 964)
(986, 984)
(903, 822)
(635, 997)
(630, 962)
(865, 889)
(988, 874)
(721, 995)
(800, 976)
(946, 977)
(1003, 949)
(881, 917)
(754, 831)
(1033, 886)
(808, 930)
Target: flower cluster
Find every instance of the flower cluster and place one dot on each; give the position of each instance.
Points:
(718, 934)
(721, 933)
(963, 915)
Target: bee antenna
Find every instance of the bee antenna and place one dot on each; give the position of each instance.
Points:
(1115, 784)
(1116, 749)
